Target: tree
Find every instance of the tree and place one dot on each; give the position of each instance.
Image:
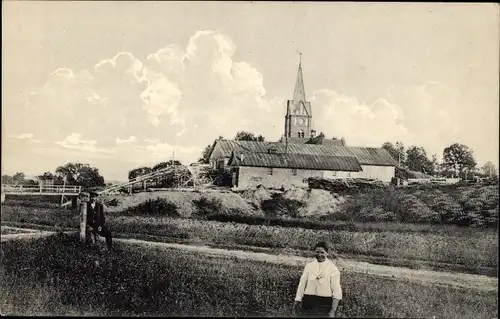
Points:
(248, 136)
(205, 155)
(6, 179)
(18, 178)
(416, 160)
(29, 182)
(139, 172)
(435, 164)
(166, 164)
(489, 169)
(397, 151)
(80, 174)
(458, 158)
(47, 176)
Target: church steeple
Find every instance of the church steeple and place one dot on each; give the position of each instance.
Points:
(298, 111)
(299, 94)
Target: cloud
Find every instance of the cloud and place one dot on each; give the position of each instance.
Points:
(23, 136)
(129, 140)
(161, 97)
(75, 141)
(123, 64)
(339, 115)
(430, 113)
(134, 111)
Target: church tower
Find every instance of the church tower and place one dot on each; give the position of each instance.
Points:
(298, 112)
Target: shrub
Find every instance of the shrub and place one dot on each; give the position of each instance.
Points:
(220, 177)
(112, 203)
(278, 205)
(378, 214)
(414, 210)
(448, 208)
(154, 207)
(207, 207)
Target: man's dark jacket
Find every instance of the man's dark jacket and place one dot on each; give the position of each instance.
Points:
(95, 216)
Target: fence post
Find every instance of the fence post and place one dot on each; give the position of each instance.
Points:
(84, 197)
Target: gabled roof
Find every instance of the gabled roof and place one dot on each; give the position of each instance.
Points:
(364, 155)
(299, 161)
(332, 142)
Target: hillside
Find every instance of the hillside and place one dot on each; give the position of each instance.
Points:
(460, 205)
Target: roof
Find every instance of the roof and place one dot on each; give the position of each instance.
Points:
(364, 155)
(318, 140)
(299, 93)
(299, 161)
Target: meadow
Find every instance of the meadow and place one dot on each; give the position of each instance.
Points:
(466, 249)
(58, 276)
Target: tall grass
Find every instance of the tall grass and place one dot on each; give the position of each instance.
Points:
(475, 252)
(138, 280)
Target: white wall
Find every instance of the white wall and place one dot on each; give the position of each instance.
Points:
(382, 173)
(334, 174)
(254, 176)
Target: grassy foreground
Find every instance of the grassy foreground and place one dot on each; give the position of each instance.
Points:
(470, 251)
(56, 276)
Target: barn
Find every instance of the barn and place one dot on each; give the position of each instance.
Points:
(276, 161)
(299, 154)
(285, 170)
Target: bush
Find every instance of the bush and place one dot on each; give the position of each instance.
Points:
(154, 207)
(414, 210)
(377, 214)
(112, 203)
(448, 209)
(207, 207)
(220, 178)
(279, 206)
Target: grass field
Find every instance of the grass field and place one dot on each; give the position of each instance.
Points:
(469, 250)
(56, 276)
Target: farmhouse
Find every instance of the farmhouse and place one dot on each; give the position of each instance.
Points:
(299, 154)
(284, 170)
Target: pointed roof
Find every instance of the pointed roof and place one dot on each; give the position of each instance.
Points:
(299, 94)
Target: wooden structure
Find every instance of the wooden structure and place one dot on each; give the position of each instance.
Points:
(64, 191)
(84, 199)
(183, 175)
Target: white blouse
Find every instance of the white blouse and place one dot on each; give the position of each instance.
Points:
(320, 279)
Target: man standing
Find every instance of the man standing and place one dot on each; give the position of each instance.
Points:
(96, 220)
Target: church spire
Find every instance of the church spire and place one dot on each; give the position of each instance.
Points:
(299, 94)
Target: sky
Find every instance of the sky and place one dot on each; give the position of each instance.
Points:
(119, 85)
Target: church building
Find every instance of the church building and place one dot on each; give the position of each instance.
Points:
(299, 154)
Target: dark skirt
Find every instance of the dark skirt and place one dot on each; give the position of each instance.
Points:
(316, 306)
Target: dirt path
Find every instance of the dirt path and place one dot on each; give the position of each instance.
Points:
(24, 233)
(462, 280)
(425, 276)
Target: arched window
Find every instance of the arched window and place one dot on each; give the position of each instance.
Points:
(301, 133)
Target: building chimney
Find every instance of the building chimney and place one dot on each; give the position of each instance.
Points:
(313, 133)
(242, 157)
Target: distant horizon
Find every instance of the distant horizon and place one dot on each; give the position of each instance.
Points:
(119, 85)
